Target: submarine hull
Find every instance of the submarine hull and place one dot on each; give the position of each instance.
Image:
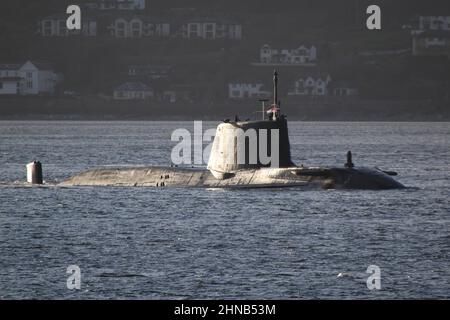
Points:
(238, 159)
(306, 178)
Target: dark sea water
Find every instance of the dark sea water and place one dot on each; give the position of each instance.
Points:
(150, 243)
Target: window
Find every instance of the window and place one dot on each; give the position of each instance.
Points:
(125, 5)
(158, 30)
(120, 29)
(29, 75)
(231, 32)
(193, 30)
(62, 28)
(237, 33)
(209, 31)
(47, 28)
(235, 93)
(309, 82)
(148, 29)
(234, 32)
(434, 24)
(30, 84)
(1, 85)
(136, 29)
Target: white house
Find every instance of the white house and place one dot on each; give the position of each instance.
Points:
(211, 29)
(55, 26)
(117, 4)
(10, 81)
(38, 78)
(434, 23)
(133, 91)
(299, 56)
(10, 85)
(30, 78)
(138, 27)
(431, 36)
(9, 70)
(240, 90)
(311, 86)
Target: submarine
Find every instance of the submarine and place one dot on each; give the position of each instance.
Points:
(227, 169)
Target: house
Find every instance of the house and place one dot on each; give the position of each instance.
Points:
(139, 27)
(311, 86)
(434, 23)
(153, 72)
(177, 93)
(245, 90)
(55, 26)
(10, 85)
(39, 78)
(133, 91)
(431, 43)
(9, 69)
(431, 36)
(10, 80)
(302, 55)
(344, 89)
(117, 5)
(210, 29)
(30, 78)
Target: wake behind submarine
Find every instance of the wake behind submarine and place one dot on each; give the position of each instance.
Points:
(225, 171)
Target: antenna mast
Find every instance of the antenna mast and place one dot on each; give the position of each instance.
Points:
(275, 110)
(275, 87)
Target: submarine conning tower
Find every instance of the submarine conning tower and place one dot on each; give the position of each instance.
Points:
(241, 145)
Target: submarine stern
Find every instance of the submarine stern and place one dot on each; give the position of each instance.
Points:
(363, 178)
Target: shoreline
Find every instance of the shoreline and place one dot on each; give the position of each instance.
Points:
(52, 119)
(94, 108)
